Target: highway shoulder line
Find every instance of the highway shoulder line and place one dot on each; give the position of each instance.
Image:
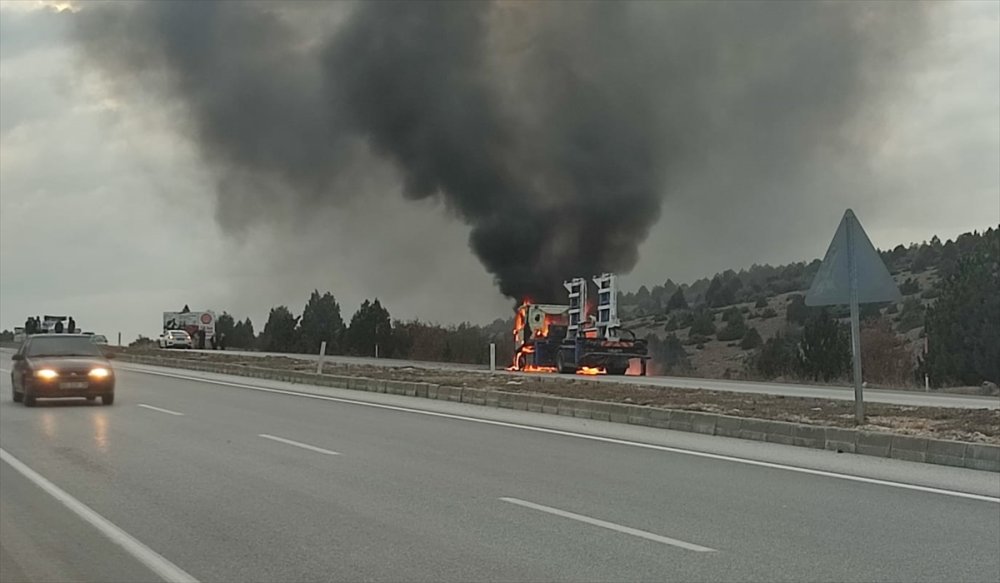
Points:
(160, 409)
(298, 444)
(611, 526)
(145, 555)
(613, 440)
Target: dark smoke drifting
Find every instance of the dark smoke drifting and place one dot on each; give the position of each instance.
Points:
(553, 130)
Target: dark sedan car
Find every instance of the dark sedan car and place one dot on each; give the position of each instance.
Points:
(61, 365)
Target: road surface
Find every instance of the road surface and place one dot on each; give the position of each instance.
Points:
(904, 398)
(221, 478)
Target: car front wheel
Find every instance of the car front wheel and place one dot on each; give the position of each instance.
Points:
(108, 399)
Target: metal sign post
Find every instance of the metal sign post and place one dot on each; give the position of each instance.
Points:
(852, 273)
(493, 356)
(852, 270)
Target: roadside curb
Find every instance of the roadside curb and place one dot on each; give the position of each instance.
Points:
(977, 456)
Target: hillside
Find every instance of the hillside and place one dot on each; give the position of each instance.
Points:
(769, 301)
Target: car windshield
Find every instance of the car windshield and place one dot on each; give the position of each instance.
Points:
(62, 346)
(99, 339)
(179, 334)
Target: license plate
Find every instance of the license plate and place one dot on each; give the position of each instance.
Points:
(73, 385)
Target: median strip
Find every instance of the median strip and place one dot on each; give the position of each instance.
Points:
(972, 455)
(611, 526)
(298, 444)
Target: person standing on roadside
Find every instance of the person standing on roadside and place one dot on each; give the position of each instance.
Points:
(59, 327)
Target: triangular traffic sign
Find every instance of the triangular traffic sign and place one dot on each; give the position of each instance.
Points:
(850, 245)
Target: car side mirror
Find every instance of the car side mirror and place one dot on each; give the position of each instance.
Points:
(17, 357)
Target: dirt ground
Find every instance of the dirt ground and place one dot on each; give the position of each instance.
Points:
(975, 425)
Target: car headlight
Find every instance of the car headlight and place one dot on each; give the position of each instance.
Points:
(99, 373)
(46, 373)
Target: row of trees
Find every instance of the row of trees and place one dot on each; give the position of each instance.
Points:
(724, 289)
(763, 281)
(370, 328)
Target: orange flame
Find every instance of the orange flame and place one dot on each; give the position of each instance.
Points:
(590, 371)
(520, 362)
(533, 368)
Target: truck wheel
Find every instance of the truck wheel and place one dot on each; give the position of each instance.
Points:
(561, 364)
(617, 370)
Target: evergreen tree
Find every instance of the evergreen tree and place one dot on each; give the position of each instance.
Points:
(677, 301)
(797, 309)
(281, 331)
(963, 326)
(777, 357)
(825, 349)
(370, 326)
(321, 321)
(703, 324)
(735, 326)
(751, 339)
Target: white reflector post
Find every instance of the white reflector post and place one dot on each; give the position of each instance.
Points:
(319, 361)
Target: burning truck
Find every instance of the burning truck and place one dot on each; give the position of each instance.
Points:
(583, 337)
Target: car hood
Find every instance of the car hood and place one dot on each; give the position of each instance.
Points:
(68, 362)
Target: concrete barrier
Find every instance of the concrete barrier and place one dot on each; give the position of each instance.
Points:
(946, 453)
(618, 413)
(905, 447)
(660, 418)
(978, 456)
(755, 429)
(638, 415)
(982, 456)
(876, 444)
(535, 403)
(779, 432)
(703, 422)
(728, 426)
(841, 440)
(474, 396)
(813, 436)
(680, 421)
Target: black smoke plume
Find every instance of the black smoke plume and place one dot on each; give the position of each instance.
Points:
(554, 130)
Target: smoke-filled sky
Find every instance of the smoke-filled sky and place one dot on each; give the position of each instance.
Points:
(237, 155)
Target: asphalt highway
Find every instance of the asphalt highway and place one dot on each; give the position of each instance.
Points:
(213, 478)
(897, 397)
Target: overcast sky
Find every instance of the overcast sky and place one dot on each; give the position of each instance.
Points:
(104, 213)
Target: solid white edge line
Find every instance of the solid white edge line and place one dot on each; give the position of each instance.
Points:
(145, 555)
(298, 444)
(161, 410)
(611, 526)
(715, 456)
